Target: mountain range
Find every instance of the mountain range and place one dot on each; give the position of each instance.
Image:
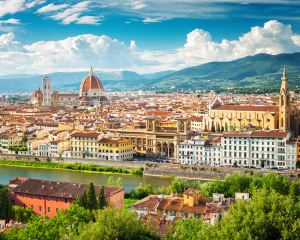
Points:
(260, 72)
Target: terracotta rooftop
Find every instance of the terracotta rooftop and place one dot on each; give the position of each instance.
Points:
(55, 188)
(250, 108)
(274, 134)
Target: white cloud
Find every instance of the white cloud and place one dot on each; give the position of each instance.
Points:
(76, 14)
(14, 6)
(153, 20)
(52, 8)
(79, 52)
(10, 21)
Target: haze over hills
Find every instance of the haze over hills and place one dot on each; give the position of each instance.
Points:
(261, 72)
(70, 81)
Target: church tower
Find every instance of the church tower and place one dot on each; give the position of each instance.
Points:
(284, 103)
(47, 91)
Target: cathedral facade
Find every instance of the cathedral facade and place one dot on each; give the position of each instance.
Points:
(229, 118)
(91, 93)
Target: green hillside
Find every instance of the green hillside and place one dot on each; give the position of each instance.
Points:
(257, 73)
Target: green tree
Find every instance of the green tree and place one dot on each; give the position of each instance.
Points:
(91, 198)
(101, 198)
(6, 211)
(192, 229)
(116, 224)
(23, 214)
(179, 185)
(64, 226)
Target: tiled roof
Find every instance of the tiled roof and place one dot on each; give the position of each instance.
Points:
(251, 108)
(274, 134)
(55, 188)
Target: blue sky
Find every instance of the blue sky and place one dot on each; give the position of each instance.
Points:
(151, 35)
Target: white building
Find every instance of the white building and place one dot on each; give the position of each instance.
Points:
(261, 149)
(200, 151)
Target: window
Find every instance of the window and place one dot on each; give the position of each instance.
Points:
(40, 208)
(48, 209)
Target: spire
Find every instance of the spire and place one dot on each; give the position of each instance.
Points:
(284, 74)
(91, 71)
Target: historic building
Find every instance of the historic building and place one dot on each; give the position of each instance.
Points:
(283, 117)
(159, 138)
(91, 94)
(92, 91)
(49, 197)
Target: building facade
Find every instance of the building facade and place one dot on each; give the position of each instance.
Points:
(49, 197)
(284, 117)
(258, 149)
(115, 149)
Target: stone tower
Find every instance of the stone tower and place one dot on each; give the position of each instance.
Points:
(284, 103)
(47, 91)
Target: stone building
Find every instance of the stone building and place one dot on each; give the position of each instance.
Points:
(226, 118)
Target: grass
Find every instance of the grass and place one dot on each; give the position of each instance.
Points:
(71, 166)
(129, 201)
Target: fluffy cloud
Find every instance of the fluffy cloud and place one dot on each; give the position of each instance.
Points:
(105, 53)
(273, 38)
(68, 13)
(14, 6)
(52, 8)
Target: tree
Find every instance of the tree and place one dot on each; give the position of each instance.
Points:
(116, 224)
(23, 214)
(191, 229)
(101, 198)
(64, 226)
(179, 185)
(91, 198)
(6, 211)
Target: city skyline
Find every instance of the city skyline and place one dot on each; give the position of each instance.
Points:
(144, 36)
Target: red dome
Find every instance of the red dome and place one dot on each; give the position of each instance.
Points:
(91, 82)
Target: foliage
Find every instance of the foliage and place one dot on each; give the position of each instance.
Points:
(116, 224)
(179, 185)
(71, 166)
(269, 215)
(101, 198)
(141, 191)
(6, 211)
(63, 226)
(23, 214)
(111, 181)
(18, 148)
(128, 202)
(91, 198)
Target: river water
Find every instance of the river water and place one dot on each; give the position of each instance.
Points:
(129, 181)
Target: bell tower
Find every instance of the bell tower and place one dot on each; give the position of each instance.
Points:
(47, 91)
(284, 103)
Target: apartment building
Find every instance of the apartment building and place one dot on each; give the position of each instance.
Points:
(85, 145)
(200, 151)
(259, 149)
(115, 149)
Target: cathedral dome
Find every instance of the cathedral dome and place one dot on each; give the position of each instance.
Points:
(92, 91)
(91, 82)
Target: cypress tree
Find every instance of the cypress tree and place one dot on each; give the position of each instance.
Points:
(101, 198)
(91, 197)
(6, 211)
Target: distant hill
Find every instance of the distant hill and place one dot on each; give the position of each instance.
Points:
(70, 81)
(258, 73)
(261, 71)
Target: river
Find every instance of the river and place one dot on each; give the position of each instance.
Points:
(129, 181)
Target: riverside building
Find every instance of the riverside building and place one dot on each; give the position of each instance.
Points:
(258, 149)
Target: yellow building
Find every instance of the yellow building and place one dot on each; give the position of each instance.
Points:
(115, 149)
(245, 117)
(9, 140)
(85, 145)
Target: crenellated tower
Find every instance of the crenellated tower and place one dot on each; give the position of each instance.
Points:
(47, 91)
(284, 103)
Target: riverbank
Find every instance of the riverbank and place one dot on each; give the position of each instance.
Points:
(71, 167)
